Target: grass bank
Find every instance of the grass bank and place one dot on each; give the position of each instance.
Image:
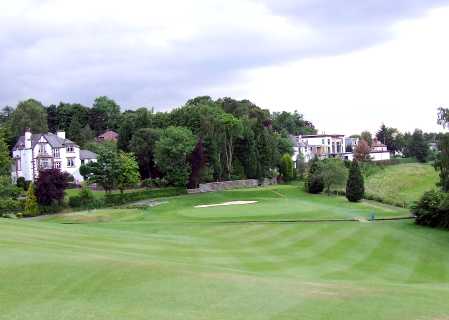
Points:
(401, 184)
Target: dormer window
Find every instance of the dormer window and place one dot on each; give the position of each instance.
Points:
(70, 149)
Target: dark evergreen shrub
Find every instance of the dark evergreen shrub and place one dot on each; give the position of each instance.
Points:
(355, 188)
(314, 182)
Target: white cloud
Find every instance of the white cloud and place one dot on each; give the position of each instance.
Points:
(401, 82)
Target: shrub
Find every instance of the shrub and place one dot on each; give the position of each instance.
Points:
(154, 183)
(355, 188)
(85, 199)
(432, 209)
(22, 183)
(9, 207)
(113, 199)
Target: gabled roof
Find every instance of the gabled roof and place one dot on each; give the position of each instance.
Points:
(86, 154)
(52, 139)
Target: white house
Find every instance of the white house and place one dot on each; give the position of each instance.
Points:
(333, 146)
(320, 145)
(35, 152)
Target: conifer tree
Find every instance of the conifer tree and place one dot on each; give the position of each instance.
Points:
(314, 182)
(31, 206)
(355, 188)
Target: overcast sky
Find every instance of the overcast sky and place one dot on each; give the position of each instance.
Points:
(347, 65)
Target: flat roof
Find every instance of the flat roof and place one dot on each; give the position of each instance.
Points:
(322, 135)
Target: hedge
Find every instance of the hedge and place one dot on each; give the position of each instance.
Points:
(127, 197)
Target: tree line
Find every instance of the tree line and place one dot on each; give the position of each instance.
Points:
(203, 140)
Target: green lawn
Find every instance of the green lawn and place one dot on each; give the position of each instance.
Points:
(403, 183)
(175, 261)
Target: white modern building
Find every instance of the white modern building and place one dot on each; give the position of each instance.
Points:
(35, 152)
(333, 146)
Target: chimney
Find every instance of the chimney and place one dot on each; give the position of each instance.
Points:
(61, 134)
(27, 137)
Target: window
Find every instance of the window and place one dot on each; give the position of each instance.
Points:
(57, 165)
(322, 141)
(82, 161)
(56, 153)
(18, 165)
(328, 141)
(43, 164)
(41, 148)
(70, 162)
(70, 148)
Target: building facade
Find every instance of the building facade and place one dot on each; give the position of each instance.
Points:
(333, 146)
(35, 152)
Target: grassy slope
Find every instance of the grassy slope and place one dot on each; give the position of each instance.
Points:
(403, 183)
(171, 262)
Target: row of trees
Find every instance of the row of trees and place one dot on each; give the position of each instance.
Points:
(408, 144)
(204, 140)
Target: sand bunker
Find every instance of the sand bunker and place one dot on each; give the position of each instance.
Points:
(230, 203)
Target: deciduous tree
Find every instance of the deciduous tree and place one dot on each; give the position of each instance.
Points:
(29, 114)
(171, 154)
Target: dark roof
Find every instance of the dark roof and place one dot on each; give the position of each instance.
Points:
(86, 154)
(52, 139)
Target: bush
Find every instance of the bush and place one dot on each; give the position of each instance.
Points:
(9, 207)
(85, 199)
(55, 207)
(22, 183)
(154, 183)
(113, 199)
(432, 209)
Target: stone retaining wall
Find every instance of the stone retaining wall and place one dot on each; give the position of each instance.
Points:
(235, 184)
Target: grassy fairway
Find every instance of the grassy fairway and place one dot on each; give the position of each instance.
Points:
(178, 262)
(403, 183)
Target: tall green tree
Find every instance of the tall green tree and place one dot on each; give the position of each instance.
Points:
(74, 131)
(418, 147)
(293, 123)
(314, 182)
(66, 112)
(143, 144)
(29, 114)
(128, 173)
(367, 136)
(334, 174)
(105, 171)
(355, 187)
(104, 114)
(171, 154)
(286, 167)
(5, 160)
(442, 163)
(52, 118)
(388, 136)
